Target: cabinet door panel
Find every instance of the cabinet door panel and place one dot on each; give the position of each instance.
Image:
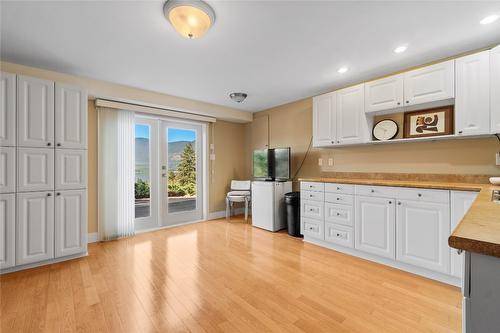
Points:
(339, 214)
(494, 89)
(324, 113)
(375, 226)
(70, 222)
(430, 84)
(384, 94)
(312, 209)
(7, 230)
(422, 235)
(472, 103)
(339, 234)
(460, 204)
(35, 169)
(70, 117)
(71, 169)
(313, 228)
(7, 109)
(34, 227)
(7, 169)
(35, 112)
(351, 119)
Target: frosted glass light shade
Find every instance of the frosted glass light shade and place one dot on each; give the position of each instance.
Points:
(191, 19)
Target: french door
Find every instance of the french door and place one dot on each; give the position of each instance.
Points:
(168, 172)
(181, 172)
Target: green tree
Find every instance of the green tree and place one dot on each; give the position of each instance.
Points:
(186, 171)
(141, 189)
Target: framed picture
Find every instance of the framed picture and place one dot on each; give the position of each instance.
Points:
(430, 122)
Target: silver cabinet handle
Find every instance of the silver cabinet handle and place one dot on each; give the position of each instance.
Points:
(338, 199)
(49, 194)
(49, 144)
(373, 191)
(419, 195)
(58, 193)
(58, 144)
(399, 203)
(390, 202)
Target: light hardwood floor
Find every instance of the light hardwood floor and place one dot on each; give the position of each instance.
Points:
(223, 277)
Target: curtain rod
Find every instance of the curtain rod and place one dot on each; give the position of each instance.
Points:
(99, 102)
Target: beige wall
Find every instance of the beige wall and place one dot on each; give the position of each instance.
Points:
(230, 161)
(291, 125)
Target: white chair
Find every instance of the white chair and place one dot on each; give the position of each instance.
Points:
(240, 192)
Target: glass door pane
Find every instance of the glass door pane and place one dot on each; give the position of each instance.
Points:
(182, 173)
(142, 171)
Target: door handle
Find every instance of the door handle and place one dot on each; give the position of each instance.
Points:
(164, 175)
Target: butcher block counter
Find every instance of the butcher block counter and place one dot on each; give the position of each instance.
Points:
(479, 230)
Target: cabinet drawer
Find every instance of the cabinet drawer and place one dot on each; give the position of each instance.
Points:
(415, 194)
(341, 199)
(339, 234)
(312, 209)
(311, 195)
(339, 188)
(340, 214)
(313, 228)
(312, 186)
(377, 191)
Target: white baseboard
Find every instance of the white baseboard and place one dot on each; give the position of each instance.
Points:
(92, 237)
(441, 277)
(222, 213)
(42, 263)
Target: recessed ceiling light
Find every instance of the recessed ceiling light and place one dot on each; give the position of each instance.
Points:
(342, 70)
(489, 19)
(190, 18)
(400, 49)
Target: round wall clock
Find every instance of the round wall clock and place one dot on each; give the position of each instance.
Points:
(386, 129)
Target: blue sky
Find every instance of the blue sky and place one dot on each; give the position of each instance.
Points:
(174, 134)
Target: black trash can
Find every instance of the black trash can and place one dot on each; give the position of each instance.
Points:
(292, 202)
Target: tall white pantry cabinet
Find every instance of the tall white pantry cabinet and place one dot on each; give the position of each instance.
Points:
(43, 171)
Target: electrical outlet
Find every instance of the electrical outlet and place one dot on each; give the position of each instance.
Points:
(212, 146)
(330, 162)
(498, 158)
(320, 161)
(212, 157)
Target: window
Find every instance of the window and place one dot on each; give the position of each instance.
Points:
(142, 171)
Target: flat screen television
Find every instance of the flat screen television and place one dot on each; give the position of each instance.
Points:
(271, 164)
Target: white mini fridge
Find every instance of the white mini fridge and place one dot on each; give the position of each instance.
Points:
(268, 204)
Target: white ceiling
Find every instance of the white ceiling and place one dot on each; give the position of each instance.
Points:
(276, 51)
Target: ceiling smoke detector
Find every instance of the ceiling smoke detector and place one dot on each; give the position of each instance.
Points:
(238, 97)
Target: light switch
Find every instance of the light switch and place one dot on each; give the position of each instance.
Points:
(212, 146)
(498, 158)
(320, 161)
(212, 157)
(330, 162)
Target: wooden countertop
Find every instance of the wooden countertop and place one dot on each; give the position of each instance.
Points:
(479, 230)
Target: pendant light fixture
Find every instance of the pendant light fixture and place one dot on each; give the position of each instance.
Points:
(190, 18)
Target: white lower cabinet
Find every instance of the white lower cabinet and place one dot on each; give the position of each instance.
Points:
(70, 227)
(422, 235)
(312, 209)
(339, 234)
(375, 226)
(339, 214)
(313, 228)
(7, 230)
(34, 227)
(460, 204)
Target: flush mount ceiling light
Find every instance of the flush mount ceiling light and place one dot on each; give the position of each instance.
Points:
(342, 70)
(238, 97)
(489, 19)
(400, 49)
(190, 18)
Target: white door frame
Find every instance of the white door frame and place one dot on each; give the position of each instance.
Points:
(155, 176)
(168, 218)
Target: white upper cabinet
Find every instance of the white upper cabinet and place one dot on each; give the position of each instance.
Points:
(460, 204)
(422, 234)
(70, 117)
(324, 120)
(7, 169)
(7, 230)
(384, 94)
(375, 225)
(351, 120)
(472, 102)
(70, 222)
(71, 169)
(35, 169)
(495, 89)
(430, 84)
(34, 227)
(35, 112)
(7, 109)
